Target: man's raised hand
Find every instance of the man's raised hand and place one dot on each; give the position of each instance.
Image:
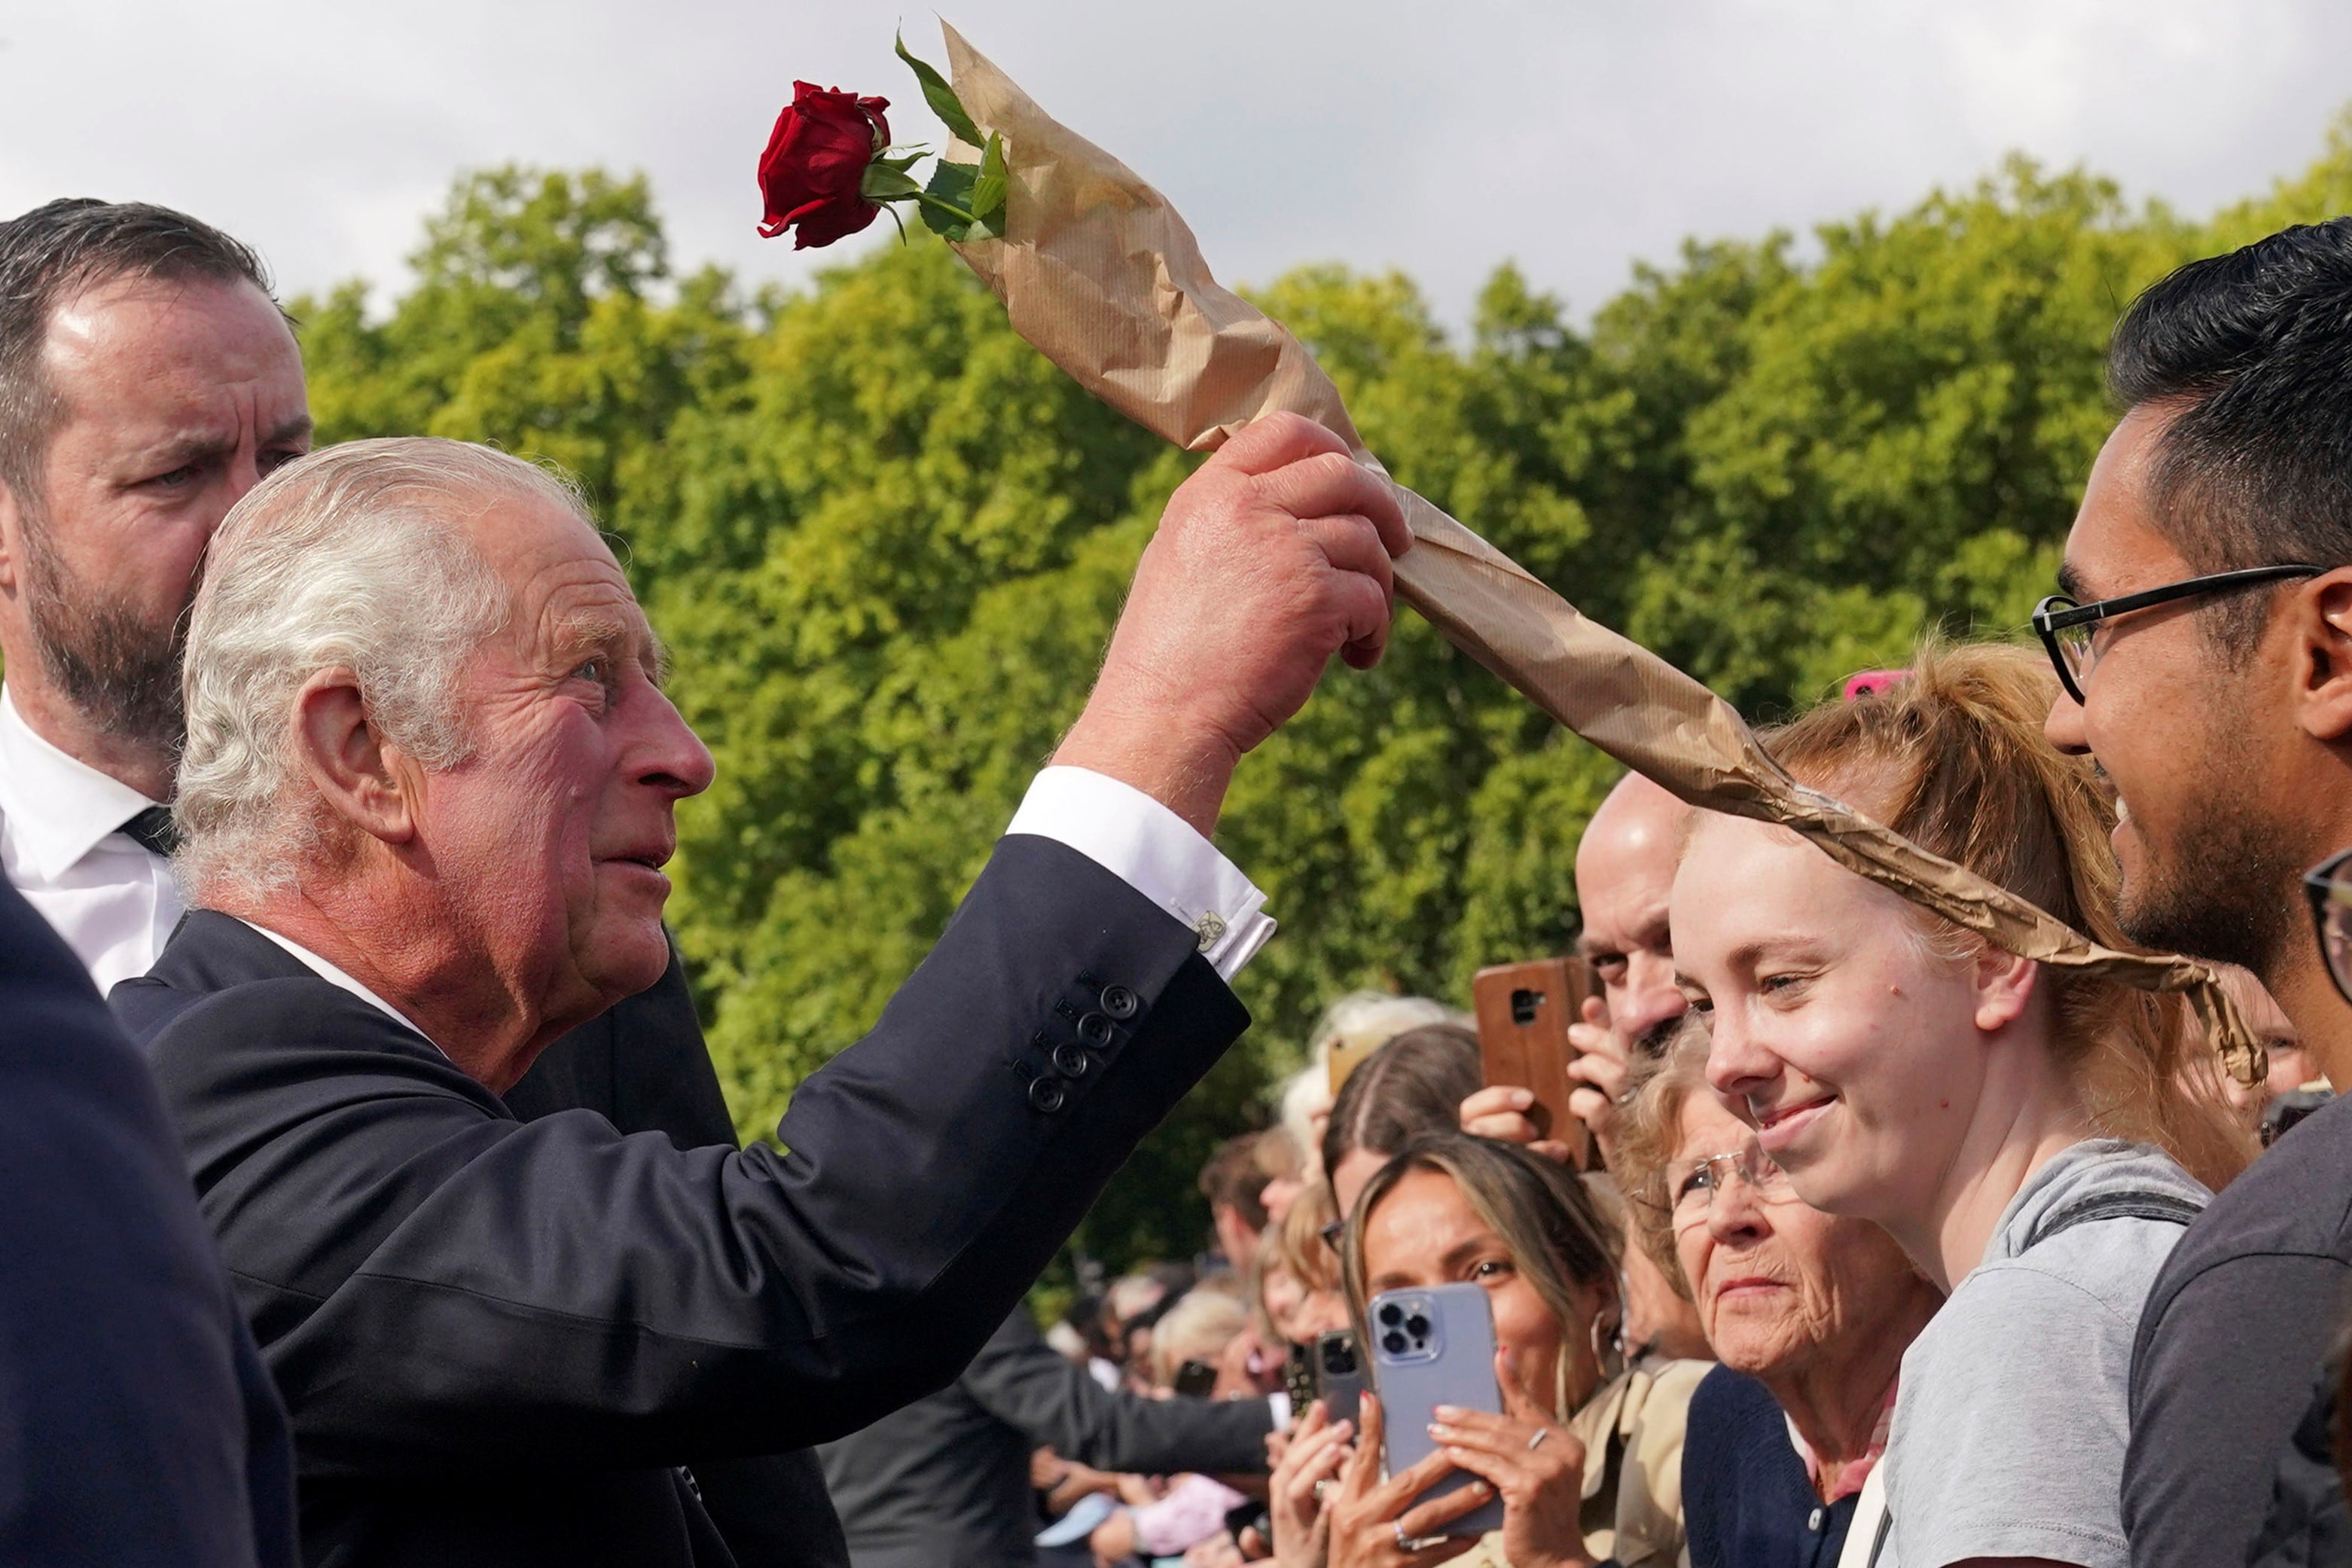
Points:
(1270, 559)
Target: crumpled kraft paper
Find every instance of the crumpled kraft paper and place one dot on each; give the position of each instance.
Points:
(1100, 273)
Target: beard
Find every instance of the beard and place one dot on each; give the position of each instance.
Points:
(2231, 890)
(120, 670)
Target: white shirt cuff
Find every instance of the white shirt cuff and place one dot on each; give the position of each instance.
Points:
(1157, 853)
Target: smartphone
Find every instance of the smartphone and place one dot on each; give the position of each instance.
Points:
(1299, 1378)
(1339, 1374)
(1524, 1011)
(1430, 1348)
(1196, 1379)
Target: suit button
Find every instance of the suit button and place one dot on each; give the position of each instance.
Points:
(1094, 1030)
(1047, 1094)
(1070, 1061)
(1121, 1002)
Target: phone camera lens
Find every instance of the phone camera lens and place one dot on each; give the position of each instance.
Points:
(1417, 1326)
(1394, 1342)
(1391, 1315)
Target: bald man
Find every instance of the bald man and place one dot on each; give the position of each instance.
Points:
(1624, 871)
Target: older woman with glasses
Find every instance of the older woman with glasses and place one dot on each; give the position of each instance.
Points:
(1809, 1315)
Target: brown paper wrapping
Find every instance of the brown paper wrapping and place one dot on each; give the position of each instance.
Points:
(1101, 275)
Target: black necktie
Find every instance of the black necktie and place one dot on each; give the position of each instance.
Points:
(153, 830)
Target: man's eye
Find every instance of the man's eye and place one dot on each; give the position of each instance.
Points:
(184, 474)
(1609, 966)
(594, 669)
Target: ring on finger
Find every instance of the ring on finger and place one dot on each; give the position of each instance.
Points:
(1410, 1544)
(1537, 1441)
(1321, 1487)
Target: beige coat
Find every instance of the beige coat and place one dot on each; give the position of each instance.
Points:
(1633, 1436)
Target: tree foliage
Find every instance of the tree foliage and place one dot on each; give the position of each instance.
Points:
(887, 542)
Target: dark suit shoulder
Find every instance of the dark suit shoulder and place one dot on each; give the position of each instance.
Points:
(137, 1427)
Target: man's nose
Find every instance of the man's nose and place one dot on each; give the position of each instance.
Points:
(672, 756)
(1651, 998)
(2063, 726)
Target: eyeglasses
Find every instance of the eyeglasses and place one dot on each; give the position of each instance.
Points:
(1692, 1184)
(2066, 627)
(2328, 886)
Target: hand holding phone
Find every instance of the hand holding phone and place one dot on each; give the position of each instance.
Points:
(1525, 1014)
(1433, 1347)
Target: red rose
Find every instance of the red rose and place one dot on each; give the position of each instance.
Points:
(815, 162)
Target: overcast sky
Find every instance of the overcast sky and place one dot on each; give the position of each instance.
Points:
(1576, 136)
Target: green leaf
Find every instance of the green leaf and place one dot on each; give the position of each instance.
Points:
(940, 96)
(988, 191)
(884, 183)
(947, 203)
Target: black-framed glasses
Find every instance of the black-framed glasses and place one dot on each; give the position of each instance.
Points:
(2065, 627)
(2328, 886)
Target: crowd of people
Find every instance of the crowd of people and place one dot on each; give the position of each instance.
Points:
(390, 1214)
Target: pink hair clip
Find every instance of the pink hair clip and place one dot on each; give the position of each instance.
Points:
(1872, 682)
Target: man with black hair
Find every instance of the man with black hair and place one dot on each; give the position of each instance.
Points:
(2213, 684)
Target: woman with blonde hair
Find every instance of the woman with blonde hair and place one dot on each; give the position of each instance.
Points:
(2027, 1134)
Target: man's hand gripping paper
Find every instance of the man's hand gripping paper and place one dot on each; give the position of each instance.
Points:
(1101, 275)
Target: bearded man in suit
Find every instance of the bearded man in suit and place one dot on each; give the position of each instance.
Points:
(426, 793)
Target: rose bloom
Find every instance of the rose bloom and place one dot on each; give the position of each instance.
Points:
(811, 175)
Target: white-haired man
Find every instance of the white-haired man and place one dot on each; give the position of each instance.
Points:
(427, 795)
(147, 382)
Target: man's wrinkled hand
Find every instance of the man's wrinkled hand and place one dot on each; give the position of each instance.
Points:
(1273, 556)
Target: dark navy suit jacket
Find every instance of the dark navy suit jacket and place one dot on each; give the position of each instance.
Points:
(137, 1425)
(500, 1341)
(643, 1066)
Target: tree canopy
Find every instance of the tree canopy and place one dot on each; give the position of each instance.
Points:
(885, 542)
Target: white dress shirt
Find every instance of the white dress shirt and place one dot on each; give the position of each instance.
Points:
(115, 903)
(61, 846)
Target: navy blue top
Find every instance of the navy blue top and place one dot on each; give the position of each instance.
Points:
(1746, 1500)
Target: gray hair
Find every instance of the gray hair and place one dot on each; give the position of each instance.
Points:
(352, 559)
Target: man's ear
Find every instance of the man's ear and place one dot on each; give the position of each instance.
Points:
(2318, 617)
(12, 541)
(364, 780)
(2004, 986)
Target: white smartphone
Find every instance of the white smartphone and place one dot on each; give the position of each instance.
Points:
(1430, 1348)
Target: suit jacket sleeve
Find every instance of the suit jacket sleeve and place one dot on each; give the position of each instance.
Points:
(1026, 1384)
(136, 1424)
(436, 1284)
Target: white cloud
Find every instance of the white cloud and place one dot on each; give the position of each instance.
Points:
(1439, 139)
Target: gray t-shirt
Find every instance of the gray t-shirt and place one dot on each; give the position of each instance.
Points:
(2011, 1418)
